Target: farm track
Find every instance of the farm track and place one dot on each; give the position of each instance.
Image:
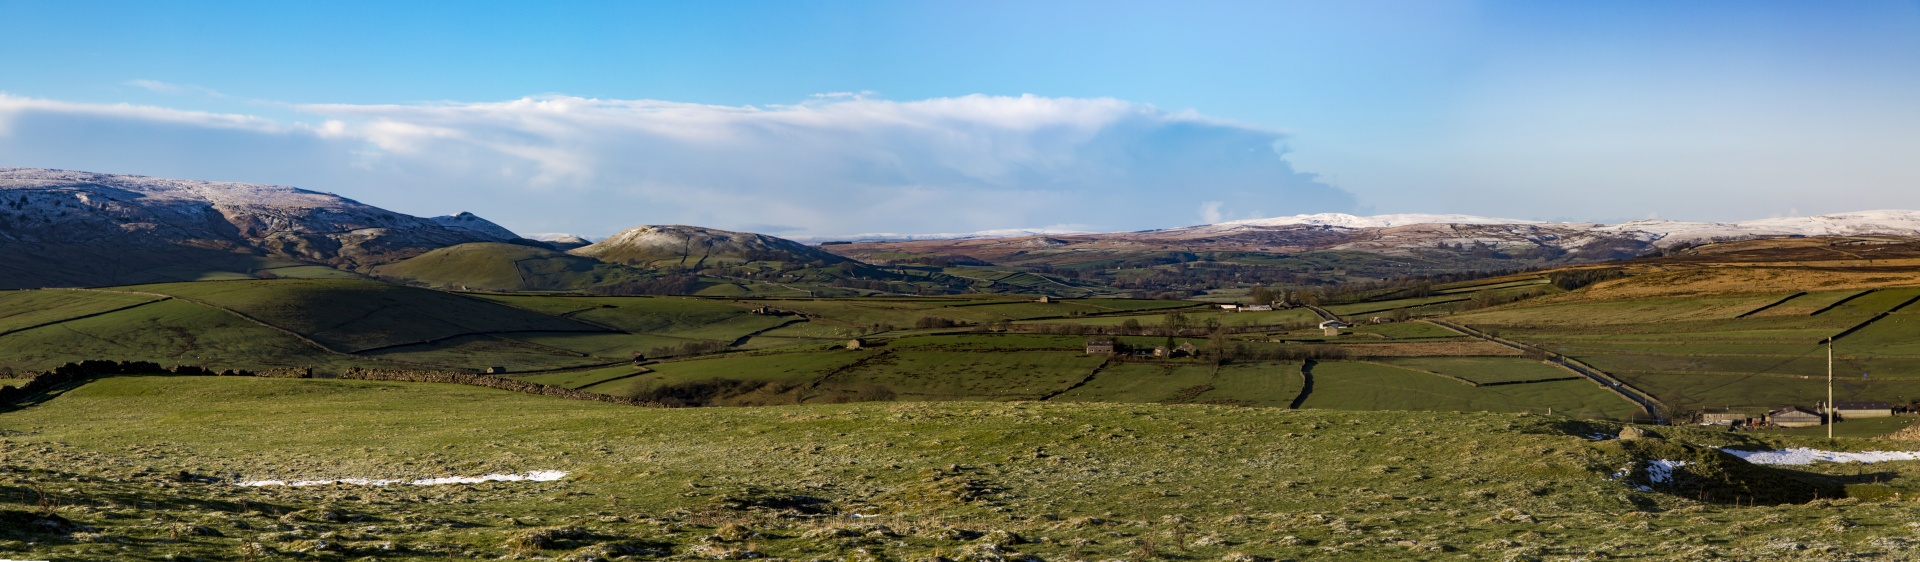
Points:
(1324, 313)
(1646, 401)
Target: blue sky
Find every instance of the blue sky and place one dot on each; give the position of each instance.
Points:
(821, 118)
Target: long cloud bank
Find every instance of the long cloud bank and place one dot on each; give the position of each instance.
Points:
(832, 165)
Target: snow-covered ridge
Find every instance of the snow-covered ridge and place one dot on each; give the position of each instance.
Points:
(1659, 232)
(1376, 221)
(41, 208)
(983, 234)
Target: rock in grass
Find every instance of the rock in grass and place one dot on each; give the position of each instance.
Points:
(1630, 433)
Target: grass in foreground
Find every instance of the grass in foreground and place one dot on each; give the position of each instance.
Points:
(968, 481)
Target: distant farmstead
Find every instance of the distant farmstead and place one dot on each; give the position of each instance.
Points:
(856, 343)
(1333, 327)
(496, 370)
(1099, 347)
(1794, 416)
(1724, 418)
(1846, 410)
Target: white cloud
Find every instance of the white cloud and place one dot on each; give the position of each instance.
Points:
(837, 163)
(1210, 212)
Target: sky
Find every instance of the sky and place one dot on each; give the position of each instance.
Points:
(820, 119)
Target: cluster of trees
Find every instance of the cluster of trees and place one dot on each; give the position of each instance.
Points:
(702, 347)
(1577, 278)
(925, 322)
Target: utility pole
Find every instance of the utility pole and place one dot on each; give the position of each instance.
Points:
(1830, 409)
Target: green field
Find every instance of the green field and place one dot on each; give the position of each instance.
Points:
(1054, 481)
(1362, 386)
(25, 309)
(971, 375)
(172, 332)
(351, 316)
(584, 378)
(1484, 369)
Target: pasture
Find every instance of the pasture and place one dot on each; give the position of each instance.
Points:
(1057, 481)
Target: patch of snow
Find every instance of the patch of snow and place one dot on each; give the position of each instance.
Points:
(1803, 455)
(535, 476)
(1658, 471)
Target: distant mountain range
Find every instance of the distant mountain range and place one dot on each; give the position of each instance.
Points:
(66, 228)
(1385, 234)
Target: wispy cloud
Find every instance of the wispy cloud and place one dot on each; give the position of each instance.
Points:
(832, 164)
(159, 87)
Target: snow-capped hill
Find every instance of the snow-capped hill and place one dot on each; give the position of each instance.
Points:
(693, 246)
(472, 222)
(1667, 233)
(146, 224)
(560, 240)
(1344, 220)
(1861, 222)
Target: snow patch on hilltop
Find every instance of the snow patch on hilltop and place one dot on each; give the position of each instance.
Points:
(1344, 220)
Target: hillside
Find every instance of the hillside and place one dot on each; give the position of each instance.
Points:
(61, 228)
(490, 266)
(1332, 248)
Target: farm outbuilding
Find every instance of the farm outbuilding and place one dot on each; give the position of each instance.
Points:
(856, 343)
(1794, 416)
(496, 370)
(1185, 349)
(1724, 418)
(1044, 299)
(1848, 410)
(1099, 347)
